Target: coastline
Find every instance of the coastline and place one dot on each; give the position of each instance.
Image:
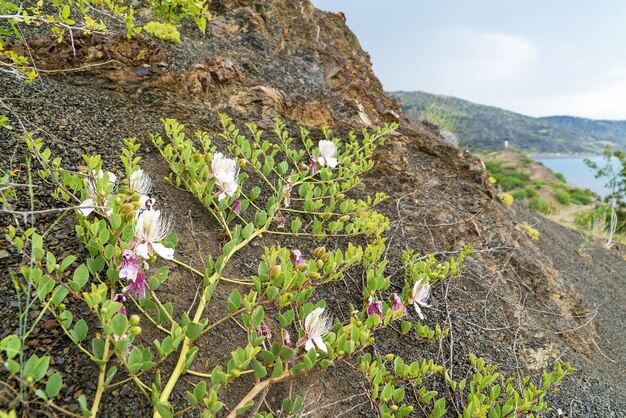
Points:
(557, 155)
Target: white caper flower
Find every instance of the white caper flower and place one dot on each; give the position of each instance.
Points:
(225, 171)
(150, 230)
(419, 295)
(91, 185)
(141, 182)
(316, 325)
(328, 149)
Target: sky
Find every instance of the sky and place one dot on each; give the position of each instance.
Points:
(535, 57)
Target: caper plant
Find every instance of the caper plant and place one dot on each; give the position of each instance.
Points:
(251, 187)
(122, 233)
(484, 392)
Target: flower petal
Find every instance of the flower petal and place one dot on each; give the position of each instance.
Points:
(142, 201)
(419, 311)
(308, 345)
(142, 250)
(320, 343)
(163, 251)
(322, 161)
(332, 162)
(88, 207)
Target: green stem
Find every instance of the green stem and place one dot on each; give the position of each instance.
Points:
(258, 388)
(188, 267)
(167, 314)
(199, 374)
(179, 369)
(311, 234)
(199, 273)
(149, 317)
(101, 376)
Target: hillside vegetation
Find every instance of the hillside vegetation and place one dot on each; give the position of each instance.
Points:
(485, 128)
(520, 179)
(543, 190)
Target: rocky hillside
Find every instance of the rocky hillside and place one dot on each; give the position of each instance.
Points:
(485, 128)
(521, 304)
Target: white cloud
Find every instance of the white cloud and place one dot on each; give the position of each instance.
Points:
(607, 100)
(493, 57)
(472, 64)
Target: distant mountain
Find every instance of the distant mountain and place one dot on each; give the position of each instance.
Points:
(485, 128)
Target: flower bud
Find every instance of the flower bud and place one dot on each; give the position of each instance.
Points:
(235, 373)
(275, 272)
(394, 408)
(325, 257)
(197, 158)
(285, 298)
(319, 251)
(340, 196)
(302, 267)
(344, 218)
(57, 266)
(118, 200)
(135, 330)
(61, 307)
(241, 162)
(136, 205)
(129, 216)
(135, 197)
(134, 319)
(127, 207)
(389, 357)
(320, 264)
(313, 275)
(326, 215)
(104, 311)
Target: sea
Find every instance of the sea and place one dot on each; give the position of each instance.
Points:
(576, 172)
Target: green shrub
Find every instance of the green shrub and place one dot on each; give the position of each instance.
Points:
(600, 216)
(561, 177)
(493, 167)
(563, 197)
(512, 181)
(524, 193)
(582, 196)
(163, 31)
(177, 10)
(439, 116)
(531, 193)
(507, 177)
(62, 17)
(540, 205)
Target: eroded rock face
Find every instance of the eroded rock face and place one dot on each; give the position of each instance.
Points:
(515, 303)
